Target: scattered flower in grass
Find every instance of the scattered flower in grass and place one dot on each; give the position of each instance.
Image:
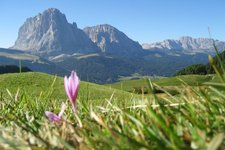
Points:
(71, 86)
(54, 117)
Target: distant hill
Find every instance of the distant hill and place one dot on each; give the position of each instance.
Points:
(104, 69)
(202, 68)
(13, 69)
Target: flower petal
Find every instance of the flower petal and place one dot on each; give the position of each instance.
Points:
(72, 82)
(63, 107)
(66, 85)
(52, 117)
(71, 86)
(76, 84)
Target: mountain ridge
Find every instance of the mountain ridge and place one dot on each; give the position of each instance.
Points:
(186, 44)
(50, 33)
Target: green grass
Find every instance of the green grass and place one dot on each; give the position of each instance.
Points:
(170, 82)
(110, 119)
(34, 84)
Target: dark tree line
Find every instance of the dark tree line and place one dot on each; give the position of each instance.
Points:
(12, 69)
(203, 69)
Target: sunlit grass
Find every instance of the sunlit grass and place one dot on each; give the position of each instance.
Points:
(193, 121)
(170, 82)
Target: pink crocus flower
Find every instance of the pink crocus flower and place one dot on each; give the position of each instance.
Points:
(71, 86)
(54, 117)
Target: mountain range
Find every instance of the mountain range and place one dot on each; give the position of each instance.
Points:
(186, 45)
(102, 53)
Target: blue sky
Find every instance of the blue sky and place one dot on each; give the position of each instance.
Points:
(142, 20)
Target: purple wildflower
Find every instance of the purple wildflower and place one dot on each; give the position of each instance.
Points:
(54, 117)
(71, 86)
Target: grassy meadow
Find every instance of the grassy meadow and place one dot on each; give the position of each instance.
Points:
(113, 116)
(41, 85)
(172, 85)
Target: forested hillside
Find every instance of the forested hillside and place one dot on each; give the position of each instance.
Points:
(12, 69)
(203, 68)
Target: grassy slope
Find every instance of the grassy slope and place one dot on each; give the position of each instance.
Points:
(34, 83)
(192, 80)
(198, 123)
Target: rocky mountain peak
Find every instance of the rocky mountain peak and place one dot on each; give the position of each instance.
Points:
(52, 15)
(197, 43)
(183, 38)
(50, 32)
(100, 32)
(52, 12)
(112, 41)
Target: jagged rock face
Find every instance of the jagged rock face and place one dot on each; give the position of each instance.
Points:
(112, 41)
(50, 32)
(186, 44)
(166, 44)
(198, 43)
